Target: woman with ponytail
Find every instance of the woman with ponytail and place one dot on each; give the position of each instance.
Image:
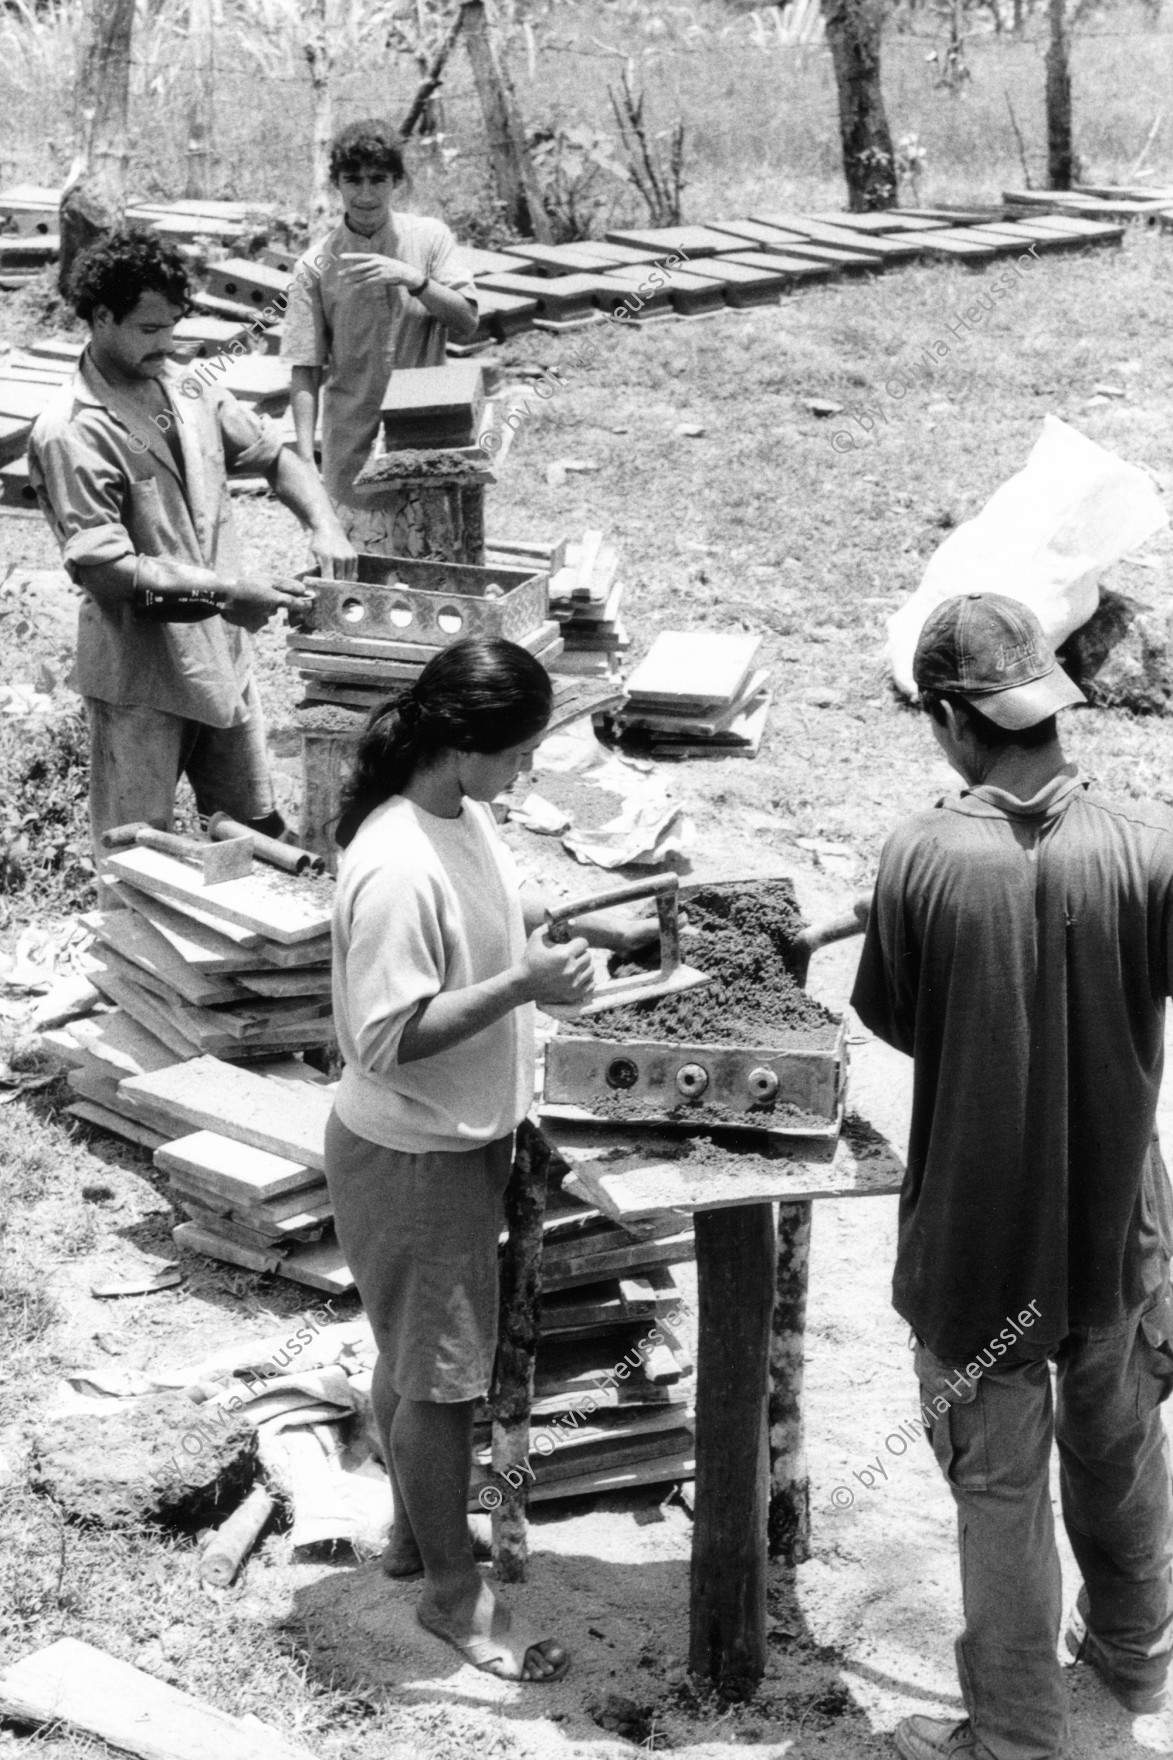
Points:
(437, 965)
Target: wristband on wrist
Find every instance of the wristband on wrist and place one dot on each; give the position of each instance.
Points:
(416, 291)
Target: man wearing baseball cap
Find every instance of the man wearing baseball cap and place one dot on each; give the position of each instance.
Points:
(1020, 950)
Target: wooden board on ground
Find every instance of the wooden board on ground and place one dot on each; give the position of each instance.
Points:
(864, 1165)
(218, 946)
(209, 1095)
(281, 1217)
(73, 1683)
(219, 1246)
(693, 666)
(320, 1265)
(115, 1124)
(238, 1171)
(279, 907)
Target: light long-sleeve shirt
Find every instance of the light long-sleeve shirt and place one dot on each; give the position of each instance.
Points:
(425, 905)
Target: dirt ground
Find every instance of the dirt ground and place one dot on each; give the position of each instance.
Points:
(757, 524)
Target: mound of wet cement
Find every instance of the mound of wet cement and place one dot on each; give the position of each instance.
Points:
(745, 933)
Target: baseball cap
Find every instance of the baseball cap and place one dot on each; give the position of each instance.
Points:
(991, 651)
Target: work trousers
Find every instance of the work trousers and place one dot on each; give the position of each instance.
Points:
(993, 1443)
(137, 756)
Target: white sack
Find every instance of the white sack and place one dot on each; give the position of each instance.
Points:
(1045, 537)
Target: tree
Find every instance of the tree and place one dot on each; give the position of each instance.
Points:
(93, 201)
(853, 33)
(1060, 146)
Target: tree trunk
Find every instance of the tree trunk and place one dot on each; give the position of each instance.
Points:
(199, 113)
(513, 172)
(94, 199)
(869, 165)
(423, 110)
(1060, 150)
(321, 44)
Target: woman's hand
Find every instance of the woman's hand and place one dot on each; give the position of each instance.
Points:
(557, 973)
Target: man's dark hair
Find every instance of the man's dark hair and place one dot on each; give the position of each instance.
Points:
(985, 731)
(370, 145)
(117, 271)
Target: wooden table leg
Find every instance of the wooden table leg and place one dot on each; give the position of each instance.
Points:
(517, 1345)
(790, 1517)
(735, 1286)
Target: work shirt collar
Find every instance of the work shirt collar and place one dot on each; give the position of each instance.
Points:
(93, 388)
(1050, 800)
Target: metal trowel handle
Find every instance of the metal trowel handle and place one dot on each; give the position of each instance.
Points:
(664, 888)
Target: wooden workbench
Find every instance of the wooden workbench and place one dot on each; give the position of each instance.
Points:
(752, 1493)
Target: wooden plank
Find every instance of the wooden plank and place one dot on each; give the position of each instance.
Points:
(219, 1246)
(209, 1095)
(320, 1265)
(864, 1165)
(89, 1112)
(561, 1272)
(255, 1023)
(277, 906)
(146, 1010)
(74, 1683)
(218, 946)
(120, 1045)
(663, 1470)
(227, 1228)
(236, 1171)
(136, 940)
(687, 666)
(311, 981)
(289, 1216)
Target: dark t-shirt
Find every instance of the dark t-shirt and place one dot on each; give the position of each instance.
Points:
(1021, 952)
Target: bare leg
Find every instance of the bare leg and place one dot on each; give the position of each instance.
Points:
(401, 1555)
(432, 1445)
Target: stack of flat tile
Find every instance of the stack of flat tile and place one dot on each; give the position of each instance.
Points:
(244, 1153)
(613, 1384)
(585, 600)
(28, 379)
(696, 694)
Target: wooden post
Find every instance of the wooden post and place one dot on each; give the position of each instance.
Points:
(1060, 146)
(517, 1345)
(93, 201)
(788, 1525)
(869, 164)
(513, 171)
(200, 55)
(735, 1286)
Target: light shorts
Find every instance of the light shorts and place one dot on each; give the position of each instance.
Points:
(420, 1234)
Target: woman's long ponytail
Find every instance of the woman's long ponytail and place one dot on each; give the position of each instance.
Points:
(480, 695)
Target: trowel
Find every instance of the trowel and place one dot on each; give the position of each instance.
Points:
(671, 977)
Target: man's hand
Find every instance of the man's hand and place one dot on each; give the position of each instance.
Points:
(251, 602)
(557, 974)
(334, 554)
(368, 269)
